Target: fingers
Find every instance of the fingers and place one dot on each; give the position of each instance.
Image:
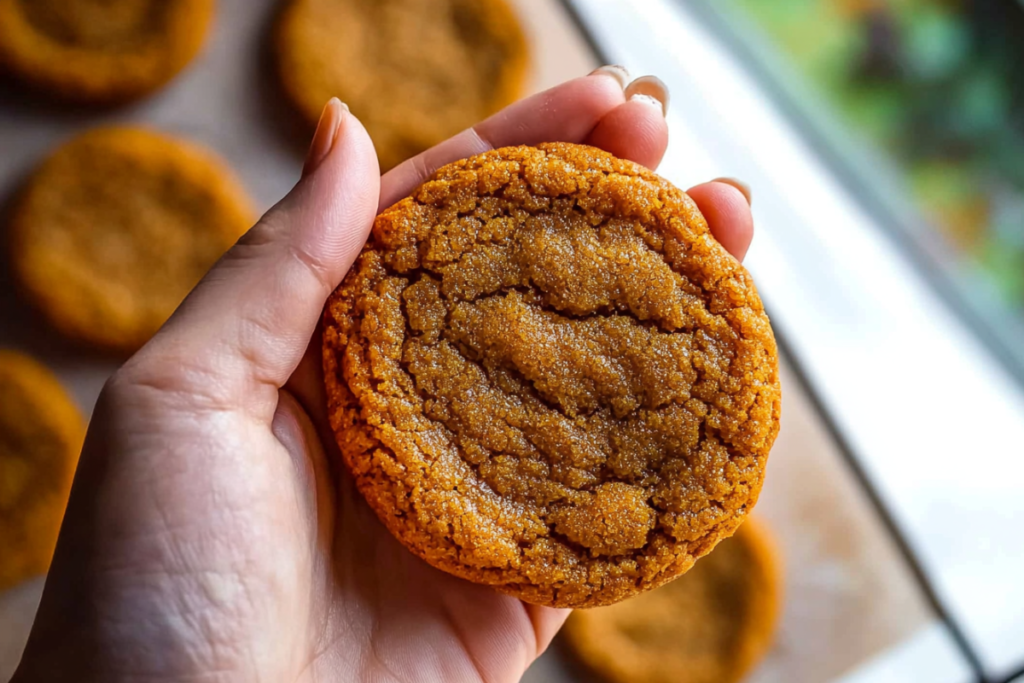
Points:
(546, 623)
(251, 318)
(727, 211)
(295, 431)
(244, 329)
(567, 112)
(635, 130)
(570, 112)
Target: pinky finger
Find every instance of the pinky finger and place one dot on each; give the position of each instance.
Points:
(727, 211)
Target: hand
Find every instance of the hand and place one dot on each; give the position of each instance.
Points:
(210, 535)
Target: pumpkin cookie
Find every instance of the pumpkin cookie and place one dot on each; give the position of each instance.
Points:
(710, 626)
(101, 52)
(41, 433)
(415, 72)
(117, 226)
(547, 376)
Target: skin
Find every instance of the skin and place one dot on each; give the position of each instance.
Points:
(209, 536)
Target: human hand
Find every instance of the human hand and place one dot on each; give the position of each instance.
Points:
(212, 533)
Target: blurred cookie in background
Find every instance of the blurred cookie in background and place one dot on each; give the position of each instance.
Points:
(415, 72)
(711, 625)
(117, 226)
(41, 433)
(101, 51)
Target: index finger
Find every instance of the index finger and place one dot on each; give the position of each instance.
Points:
(565, 113)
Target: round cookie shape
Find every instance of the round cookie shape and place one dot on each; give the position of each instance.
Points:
(546, 375)
(115, 228)
(712, 625)
(101, 52)
(415, 72)
(41, 433)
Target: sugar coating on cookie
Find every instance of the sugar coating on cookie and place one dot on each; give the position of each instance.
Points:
(547, 376)
(41, 432)
(101, 52)
(115, 228)
(415, 72)
(712, 625)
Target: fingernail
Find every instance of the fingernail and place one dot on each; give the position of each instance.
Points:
(650, 87)
(326, 132)
(619, 73)
(738, 184)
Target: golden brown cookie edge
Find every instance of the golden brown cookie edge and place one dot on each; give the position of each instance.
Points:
(66, 421)
(81, 76)
(546, 595)
(195, 162)
(597, 655)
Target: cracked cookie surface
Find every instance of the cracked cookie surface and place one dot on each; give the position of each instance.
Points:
(711, 626)
(547, 376)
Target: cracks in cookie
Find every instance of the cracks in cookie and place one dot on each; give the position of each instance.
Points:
(541, 510)
(451, 432)
(470, 355)
(706, 433)
(584, 552)
(612, 308)
(701, 295)
(421, 394)
(605, 475)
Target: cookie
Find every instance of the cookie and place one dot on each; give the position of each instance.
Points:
(710, 626)
(415, 72)
(117, 226)
(41, 434)
(546, 375)
(100, 52)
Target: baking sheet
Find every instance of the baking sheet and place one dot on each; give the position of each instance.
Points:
(849, 595)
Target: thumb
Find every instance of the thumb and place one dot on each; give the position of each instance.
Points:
(242, 331)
